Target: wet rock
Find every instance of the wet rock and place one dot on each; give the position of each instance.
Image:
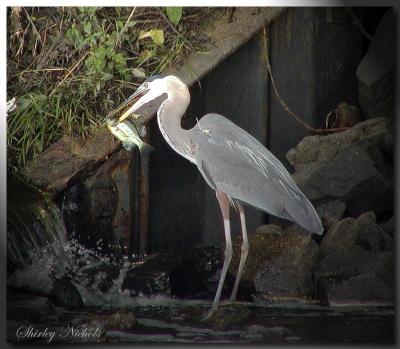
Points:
(148, 279)
(330, 213)
(98, 210)
(357, 265)
(228, 316)
(279, 263)
(101, 274)
(186, 279)
(208, 258)
(375, 73)
(122, 320)
(33, 278)
(178, 273)
(68, 159)
(259, 332)
(65, 294)
(354, 176)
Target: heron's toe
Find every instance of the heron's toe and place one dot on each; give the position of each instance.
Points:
(209, 314)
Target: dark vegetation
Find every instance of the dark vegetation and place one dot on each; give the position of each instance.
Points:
(68, 67)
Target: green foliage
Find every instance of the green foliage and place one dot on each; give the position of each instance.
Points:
(155, 34)
(40, 120)
(68, 67)
(174, 14)
(104, 61)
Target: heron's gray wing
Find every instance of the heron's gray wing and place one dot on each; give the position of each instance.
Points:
(226, 172)
(233, 161)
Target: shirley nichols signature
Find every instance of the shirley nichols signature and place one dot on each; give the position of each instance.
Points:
(82, 332)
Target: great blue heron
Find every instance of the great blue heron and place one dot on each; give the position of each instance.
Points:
(239, 168)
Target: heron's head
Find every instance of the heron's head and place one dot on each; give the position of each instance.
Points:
(151, 93)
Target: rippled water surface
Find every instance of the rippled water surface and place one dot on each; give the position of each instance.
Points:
(160, 320)
(39, 252)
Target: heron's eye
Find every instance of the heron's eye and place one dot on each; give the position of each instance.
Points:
(145, 85)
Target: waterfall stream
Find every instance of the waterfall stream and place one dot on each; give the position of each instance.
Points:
(36, 237)
(38, 253)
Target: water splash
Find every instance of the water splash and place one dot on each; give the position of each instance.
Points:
(38, 252)
(36, 236)
(34, 226)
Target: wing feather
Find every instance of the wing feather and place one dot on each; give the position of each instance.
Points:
(233, 161)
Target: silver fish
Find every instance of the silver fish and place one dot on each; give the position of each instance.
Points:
(128, 133)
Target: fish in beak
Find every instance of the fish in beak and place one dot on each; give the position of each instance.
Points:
(125, 129)
(130, 103)
(130, 134)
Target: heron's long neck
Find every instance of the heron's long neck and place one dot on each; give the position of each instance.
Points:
(169, 121)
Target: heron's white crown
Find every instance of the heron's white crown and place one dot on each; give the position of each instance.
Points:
(170, 85)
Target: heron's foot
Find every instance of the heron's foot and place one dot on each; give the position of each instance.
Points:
(210, 314)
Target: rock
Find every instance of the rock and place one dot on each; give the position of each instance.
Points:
(185, 279)
(65, 294)
(101, 275)
(350, 232)
(151, 278)
(208, 259)
(342, 235)
(228, 316)
(279, 264)
(98, 210)
(356, 276)
(330, 213)
(375, 73)
(388, 226)
(357, 265)
(371, 238)
(32, 278)
(178, 273)
(345, 115)
(257, 331)
(120, 321)
(355, 177)
(269, 229)
(68, 159)
(313, 151)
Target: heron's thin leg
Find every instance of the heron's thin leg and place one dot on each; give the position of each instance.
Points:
(244, 250)
(224, 203)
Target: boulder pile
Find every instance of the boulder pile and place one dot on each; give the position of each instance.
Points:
(349, 178)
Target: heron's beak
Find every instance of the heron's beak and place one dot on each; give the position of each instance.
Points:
(130, 101)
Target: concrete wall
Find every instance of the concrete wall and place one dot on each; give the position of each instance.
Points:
(314, 55)
(183, 209)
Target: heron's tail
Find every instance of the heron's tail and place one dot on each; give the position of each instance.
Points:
(303, 213)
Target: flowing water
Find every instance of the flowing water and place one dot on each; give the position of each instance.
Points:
(159, 320)
(39, 252)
